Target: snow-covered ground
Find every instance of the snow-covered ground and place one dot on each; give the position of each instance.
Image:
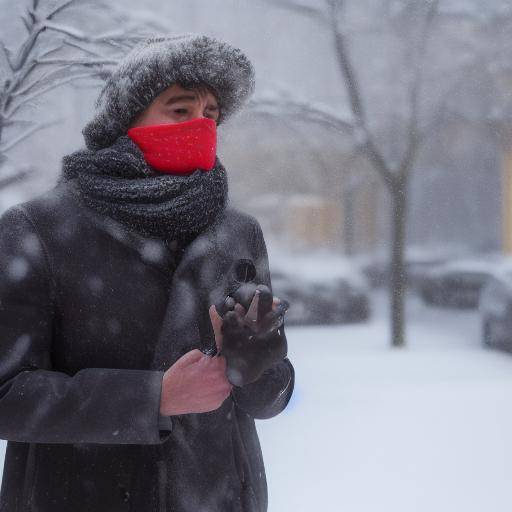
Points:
(423, 429)
(428, 428)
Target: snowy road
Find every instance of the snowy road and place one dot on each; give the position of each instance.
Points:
(425, 429)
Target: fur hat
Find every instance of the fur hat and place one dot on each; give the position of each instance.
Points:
(157, 63)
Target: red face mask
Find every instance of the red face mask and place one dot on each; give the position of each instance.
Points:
(178, 148)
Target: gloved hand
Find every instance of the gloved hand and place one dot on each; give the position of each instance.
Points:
(253, 338)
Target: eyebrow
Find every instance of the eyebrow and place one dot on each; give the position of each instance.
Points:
(183, 97)
(186, 97)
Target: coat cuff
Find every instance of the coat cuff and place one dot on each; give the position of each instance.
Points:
(96, 405)
(164, 424)
(270, 394)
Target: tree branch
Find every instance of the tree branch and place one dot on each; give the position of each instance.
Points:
(5, 61)
(31, 70)
(15, 178)
(309, 11)
(414, 137)
(59, 8)
(301, 109)
(355, 101)
(10, 122)
(345, 64)
(64, 29)
(29, 66)
(77, 45)
(51, 50)
(35, 27)
(107, 38)
(82, 62)
(26, 22)
(47, 78)
(35, 94)
(39, 126)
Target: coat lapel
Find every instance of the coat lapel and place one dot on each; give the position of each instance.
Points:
(181, 329)
(204, 276)
(152, 251)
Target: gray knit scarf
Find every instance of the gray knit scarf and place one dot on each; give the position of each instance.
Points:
(117, 181)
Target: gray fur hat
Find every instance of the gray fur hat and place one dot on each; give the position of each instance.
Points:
(157, 63)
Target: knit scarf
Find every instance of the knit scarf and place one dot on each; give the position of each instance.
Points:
(117, 182)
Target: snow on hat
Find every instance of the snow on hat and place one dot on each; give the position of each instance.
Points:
(159, 62)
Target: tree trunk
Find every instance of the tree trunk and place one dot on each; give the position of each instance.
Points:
(398, 269)
(348, 221)
(2, 155)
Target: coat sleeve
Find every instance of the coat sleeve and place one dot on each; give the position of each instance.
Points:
(39, 404)
(269, 395)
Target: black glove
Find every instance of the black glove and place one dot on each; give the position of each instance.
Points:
(253, 336)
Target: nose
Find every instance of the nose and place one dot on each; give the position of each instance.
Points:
(197, 114)
(198, 111)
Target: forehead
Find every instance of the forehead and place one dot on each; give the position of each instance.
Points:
(192, 93)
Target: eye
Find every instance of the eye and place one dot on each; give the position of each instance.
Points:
(212, 112)
(180, 111)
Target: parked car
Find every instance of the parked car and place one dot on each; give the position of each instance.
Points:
(321, 290)
(458, 284)
(496, 311)
(417, 264)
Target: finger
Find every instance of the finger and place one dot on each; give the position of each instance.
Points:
(231, 320)
(274, 318)
(189, 358)
(240, 309)
(220, 364)
(218, 383)
(265, 301)
(252, 312)
(275, 302)
(216, 321)
(281, 306)
(204, 362)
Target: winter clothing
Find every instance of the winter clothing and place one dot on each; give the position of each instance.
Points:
(105, 282)
(158, 63)
(178, 148)
(118, 182)
(91, 314)
(254, 340)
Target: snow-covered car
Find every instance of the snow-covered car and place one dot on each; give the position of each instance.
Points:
(321, 290)
(458, 284)
(417, 264)
(496, 311)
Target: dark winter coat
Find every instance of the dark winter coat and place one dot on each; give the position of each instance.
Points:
(90, 315)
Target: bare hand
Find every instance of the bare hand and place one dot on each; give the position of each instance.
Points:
(195, 383)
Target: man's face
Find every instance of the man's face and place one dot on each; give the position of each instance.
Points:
(176, 104)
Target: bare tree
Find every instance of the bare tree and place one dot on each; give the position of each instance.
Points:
(390, 145)
(51, 54)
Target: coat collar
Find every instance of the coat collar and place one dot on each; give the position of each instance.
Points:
(153, 251)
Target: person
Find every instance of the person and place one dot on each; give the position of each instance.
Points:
(116, 286)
